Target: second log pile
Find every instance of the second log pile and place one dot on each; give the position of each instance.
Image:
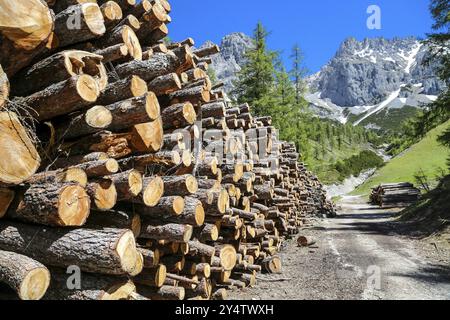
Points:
(394, 194)
(120, 157)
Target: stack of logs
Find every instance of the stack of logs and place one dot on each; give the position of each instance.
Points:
(394, 194)
(121, 160)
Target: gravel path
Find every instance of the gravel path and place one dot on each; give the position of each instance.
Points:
(357, 256)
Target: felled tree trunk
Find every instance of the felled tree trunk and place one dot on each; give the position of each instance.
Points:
(115, 219)
(25, 27)
(132, 86)
(27, 277)
(79, 23)
(103, 194)
(15, 144)
(62, 98)
(108, 251)
(128, 184)
(122, 34)
(53, 205)
(171, 232)
(93, 287)
(59, 67)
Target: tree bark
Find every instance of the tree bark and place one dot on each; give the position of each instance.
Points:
(59, 67)
(113, 53)
(52, 204)
(79, 23)
(171, 231)
(178, 115)
(115, 219)
(27, 277)
(108, 251)
(163, 293)
(62, 98)
(121, 34)
(132, 86)
(165, 84)
(180, 185)
(128, 184)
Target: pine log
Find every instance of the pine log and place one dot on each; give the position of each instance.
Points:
(132, 22)
(151, 20)
(103, 194)
(180, 185)
(151, 257)
(272, 264)
(125, 5)
(79, 23)
(93, 287)
(62, 98)
(59, 67)
(163, 293)
(59, 176)
(167, 206)
(25, 27)
(113, 53)
(139, 8)
(165, 84)
(128, 184)
(132, 86)
(19, 159)
(52, 204)
(171, 231)
(115, 117)
(27, 277)
(115, 219)
(108, 251)
(178, 115)
(208, 232)
(122, 33)
(148, 137)
(195, 95)
(112, 14)
(152, 191)
(152, 277)
(61, 5)
(207, 51)
(161, 158)
(158, 64)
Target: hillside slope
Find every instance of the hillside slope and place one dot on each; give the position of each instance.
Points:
(427, 155)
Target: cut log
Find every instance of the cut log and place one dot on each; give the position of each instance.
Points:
(93, 287)
(6, 198)
(27, 277)
(148, 137)
(59, 67)
(61, 5)
(171, 231)
(115, 219)
(128, 184)
(153, 277)
(151, 20)
(4, 87)
(103, 194)
(53, 205)
(62, 98)
(163, 293)
(165, 84)
(180, 185)
(115, 117)
(112, 14)
(303, 241)
(59, 176)
(151, 257)
(85, 19)
(132, 86)
(25, 27)
(227, 255)
(140, 8)
(272, 264)
(19, 159)
(178, 115)
(167, 206)
(108, 251)
(113, 53)
(152, 191)
(195, 95)
(122, 34)
(161, 158)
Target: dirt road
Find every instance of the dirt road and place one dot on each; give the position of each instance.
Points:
(358, 256)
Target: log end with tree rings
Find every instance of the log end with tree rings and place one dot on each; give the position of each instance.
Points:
(138, 87)
(93, 18)
(227, 255)
(186, 157)
(31, 27)
(111, 11)
(160, 275)
(98, 117)
(148, 136)
(132, 42)
(131, 260)
(178, 205)
(223, 202)
(87, 88)
(152, 106)
(73, 206)
(35, 284)
(135, 182)
(19, 159)
(189, 113)
(74, 175)
(103, 194)
(153, 190)
(191, 184)
(120, 291)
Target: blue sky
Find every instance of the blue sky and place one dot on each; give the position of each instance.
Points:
(319, 26)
